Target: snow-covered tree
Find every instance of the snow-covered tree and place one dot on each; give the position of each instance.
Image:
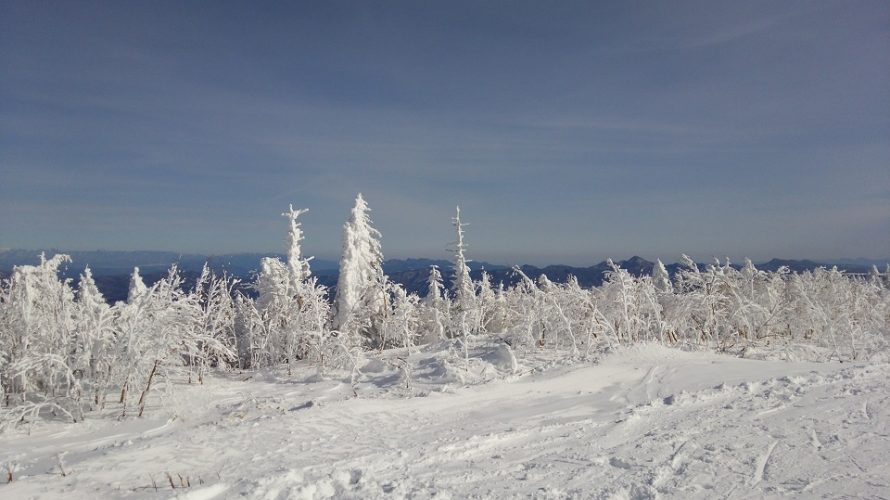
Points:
(88, 294)
(497, 319)
(247, 326)
(874, 275)
(93, 353)
(360, 303)
(272, 284)
(462, 285)
(435, 294)
(464, 312)
(434, 308)
(216, 320)
(37, 333)
(661, 279)
(298, 267)
(401, 328)
(137, 287)
(539, 314)
(488, 305)
(289, 320)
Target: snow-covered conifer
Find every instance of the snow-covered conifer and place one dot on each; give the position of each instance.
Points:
(88, 294)
(462, 285)
(360, 301)
(435, 307)
(660, 278)
(435, 289)
(465, 319)
(137, 287)
(271, 283)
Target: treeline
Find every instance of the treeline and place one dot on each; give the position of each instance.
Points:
(64, 351)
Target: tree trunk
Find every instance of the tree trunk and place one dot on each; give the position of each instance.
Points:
(151, 376)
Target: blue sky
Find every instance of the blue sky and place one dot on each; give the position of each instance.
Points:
(567, 131)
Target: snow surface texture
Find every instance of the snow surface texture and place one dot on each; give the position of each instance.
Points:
(641, 422)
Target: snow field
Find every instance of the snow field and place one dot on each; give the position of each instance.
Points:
(642, 422)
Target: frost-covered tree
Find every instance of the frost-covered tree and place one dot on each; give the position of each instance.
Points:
(272, 309)
(163, 337)
(874, 275)
(88, 294)
(661, 279)
(462, 285)
(749, 271)
(434, 315)
(272, 284)
(37, 333)
(216, 320)
(464, 312)
(247, 325)
(538, 313)
(401, 328)
(360, 303)
(292, 310)
(313, 337)
(705, 304)
(298, 267)
(137, 287)
(488, 305)
(497, 318)
(93, 351)
(435, 294)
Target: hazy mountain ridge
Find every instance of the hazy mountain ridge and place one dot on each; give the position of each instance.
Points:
(112, 269)
(114, 262)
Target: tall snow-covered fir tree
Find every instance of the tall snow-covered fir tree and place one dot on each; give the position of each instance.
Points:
(462, 285)
(360, 303)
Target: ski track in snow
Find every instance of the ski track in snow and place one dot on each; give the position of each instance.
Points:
(643, 423)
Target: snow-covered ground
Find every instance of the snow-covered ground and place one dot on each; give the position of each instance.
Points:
(639, 422)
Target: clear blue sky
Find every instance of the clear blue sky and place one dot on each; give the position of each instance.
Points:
(567, 131)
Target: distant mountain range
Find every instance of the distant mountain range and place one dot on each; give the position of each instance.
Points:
(112, 269)
(112, 262)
